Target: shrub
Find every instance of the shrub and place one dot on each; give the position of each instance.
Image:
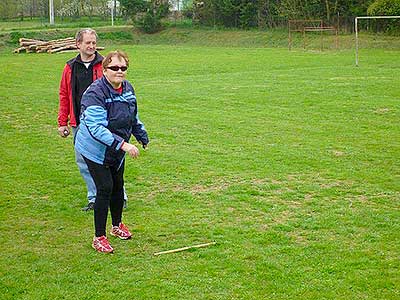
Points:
(147, 14)
(149, 23)
(384, 8)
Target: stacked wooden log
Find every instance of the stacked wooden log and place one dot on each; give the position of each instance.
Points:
(53, 46)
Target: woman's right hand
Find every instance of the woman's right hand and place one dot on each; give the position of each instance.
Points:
(132, 150)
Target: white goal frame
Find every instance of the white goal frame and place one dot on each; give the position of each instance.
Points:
(370, 17)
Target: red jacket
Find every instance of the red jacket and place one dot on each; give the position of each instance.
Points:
(66, 109)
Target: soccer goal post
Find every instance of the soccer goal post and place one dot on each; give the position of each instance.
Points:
(370, 17)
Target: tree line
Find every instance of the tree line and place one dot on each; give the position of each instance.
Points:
(28, 9)
(271, 13)
(227, 13)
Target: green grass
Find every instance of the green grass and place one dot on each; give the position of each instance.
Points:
(184, 33)
(288, 160)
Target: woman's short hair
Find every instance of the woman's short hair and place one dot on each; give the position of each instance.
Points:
(118, 53)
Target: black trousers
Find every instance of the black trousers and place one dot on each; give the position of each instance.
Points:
(109, 181)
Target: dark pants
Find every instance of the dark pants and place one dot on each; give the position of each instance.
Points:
(109, 182)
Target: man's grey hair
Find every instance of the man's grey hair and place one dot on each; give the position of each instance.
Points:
(79, 34)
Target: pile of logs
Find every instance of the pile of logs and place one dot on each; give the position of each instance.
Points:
(53, 46)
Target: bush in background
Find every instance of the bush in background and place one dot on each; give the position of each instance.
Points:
(147, 15)
(386, 8)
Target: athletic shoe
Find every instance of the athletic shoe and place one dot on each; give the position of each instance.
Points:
(101, 244)
(90, 206)
(121, 231)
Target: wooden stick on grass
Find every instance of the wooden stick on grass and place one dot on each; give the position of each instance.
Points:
(184, 248)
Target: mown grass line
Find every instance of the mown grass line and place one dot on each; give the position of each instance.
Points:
(181, 33)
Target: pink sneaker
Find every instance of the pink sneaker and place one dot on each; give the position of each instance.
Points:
(101, 244)
(121, 231)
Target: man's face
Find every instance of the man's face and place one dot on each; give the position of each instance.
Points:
(87, 46)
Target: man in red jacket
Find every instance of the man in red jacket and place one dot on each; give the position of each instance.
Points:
(78, 74)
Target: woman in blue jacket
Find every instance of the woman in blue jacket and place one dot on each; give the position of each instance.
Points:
(109, 117)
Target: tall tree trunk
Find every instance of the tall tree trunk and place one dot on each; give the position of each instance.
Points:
(328, 11)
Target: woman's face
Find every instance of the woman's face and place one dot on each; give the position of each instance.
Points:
(116, 71)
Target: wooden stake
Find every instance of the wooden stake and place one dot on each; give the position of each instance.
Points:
(184, 248)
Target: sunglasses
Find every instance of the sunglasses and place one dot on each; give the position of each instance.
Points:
(116, 68)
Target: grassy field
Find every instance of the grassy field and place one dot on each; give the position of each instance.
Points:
(182, 33)
(288, 160)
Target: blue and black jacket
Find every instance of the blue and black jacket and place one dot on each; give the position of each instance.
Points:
(107, 120)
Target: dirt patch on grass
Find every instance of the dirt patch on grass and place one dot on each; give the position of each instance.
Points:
(381, 111)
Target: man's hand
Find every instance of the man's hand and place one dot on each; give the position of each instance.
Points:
(132, 150)
(63, 131)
